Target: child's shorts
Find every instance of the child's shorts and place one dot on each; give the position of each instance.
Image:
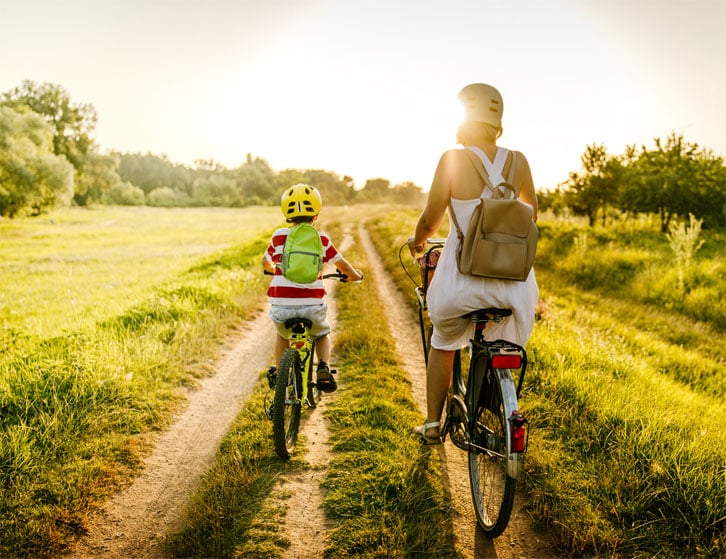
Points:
(317, 313)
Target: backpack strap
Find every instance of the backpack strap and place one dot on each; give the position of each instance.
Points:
(480, 160)
(494, 170)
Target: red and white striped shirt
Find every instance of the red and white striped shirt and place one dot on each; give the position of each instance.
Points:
(282, 291)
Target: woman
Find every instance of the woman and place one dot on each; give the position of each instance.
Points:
(451, 294)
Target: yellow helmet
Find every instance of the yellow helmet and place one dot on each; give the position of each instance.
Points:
(301, 200)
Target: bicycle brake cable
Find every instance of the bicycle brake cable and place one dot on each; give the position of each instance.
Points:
(400, 259)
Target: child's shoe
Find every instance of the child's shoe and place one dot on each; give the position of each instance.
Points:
(325, 381)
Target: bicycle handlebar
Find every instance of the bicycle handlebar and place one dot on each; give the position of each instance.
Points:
(340, 276)
(433, 243)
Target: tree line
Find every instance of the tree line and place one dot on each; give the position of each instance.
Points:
(48, 158)
(673, 179)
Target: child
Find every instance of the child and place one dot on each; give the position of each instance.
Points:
(302, 203)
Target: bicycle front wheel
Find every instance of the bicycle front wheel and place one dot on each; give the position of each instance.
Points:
(492, 490)
(288, 394)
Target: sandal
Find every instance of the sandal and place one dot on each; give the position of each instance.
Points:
(325, 381)
(421, 430)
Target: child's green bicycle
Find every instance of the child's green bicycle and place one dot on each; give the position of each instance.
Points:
(482, 413)
(293, 382)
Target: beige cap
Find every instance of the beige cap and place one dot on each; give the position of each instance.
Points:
(482, 103)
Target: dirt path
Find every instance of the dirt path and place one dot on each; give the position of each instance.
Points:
(520, 540)
(133, 523)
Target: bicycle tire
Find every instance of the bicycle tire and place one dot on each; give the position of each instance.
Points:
(287, 403)
(492, 489)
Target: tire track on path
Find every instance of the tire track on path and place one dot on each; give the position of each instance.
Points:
(135, 521)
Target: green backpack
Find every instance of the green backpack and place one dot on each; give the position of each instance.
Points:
(302, 255)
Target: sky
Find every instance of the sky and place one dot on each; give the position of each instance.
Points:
(367, 88)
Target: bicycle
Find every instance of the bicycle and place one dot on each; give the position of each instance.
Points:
(482, 412)
(293, 382)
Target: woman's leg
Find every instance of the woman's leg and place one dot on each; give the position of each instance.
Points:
(438, 381)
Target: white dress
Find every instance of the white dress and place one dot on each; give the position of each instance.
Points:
(452, 295)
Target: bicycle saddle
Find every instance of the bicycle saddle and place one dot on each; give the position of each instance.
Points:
(291, 322)
(491, 313)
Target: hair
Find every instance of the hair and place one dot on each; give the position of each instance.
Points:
(302, 219)
(470, 132)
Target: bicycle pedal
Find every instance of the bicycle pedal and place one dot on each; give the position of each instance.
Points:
(270, 411)
(272, 377)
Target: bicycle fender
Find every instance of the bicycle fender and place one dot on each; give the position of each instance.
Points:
(515, 460)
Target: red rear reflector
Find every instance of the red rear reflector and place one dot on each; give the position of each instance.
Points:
(519, 432)
(506, 361)
(298, 345)
(518, 439)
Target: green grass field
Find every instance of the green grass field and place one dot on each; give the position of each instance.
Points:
(72, 268)
(106, 314)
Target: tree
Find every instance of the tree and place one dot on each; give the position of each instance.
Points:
(150, 172)
(167, 197)
(553, 200)
(596, 186)
(255, 180)
(32, 177)
(408, 193)
(375, 190)
(125, 194)
(73, 123)
(676, 178)
(215, 190)
(99, 177)
(334, 190)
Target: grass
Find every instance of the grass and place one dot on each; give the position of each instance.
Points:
(74, 267)
(624, 392)
(638, 265)
(78, 407)
(625, 397)
(380, 474)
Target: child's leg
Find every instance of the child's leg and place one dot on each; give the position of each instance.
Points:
(281, 344)
(323, 348)
(324, 376)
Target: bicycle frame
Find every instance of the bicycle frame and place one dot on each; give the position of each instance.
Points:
(302, 342)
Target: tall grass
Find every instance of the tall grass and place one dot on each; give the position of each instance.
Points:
(77, 408)
(639, 265)
(625, 398)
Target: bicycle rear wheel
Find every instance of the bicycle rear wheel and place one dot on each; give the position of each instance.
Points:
(288, 394)
(492, 490)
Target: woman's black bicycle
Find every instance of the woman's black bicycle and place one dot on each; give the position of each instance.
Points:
(293, 382)
(482, 413)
